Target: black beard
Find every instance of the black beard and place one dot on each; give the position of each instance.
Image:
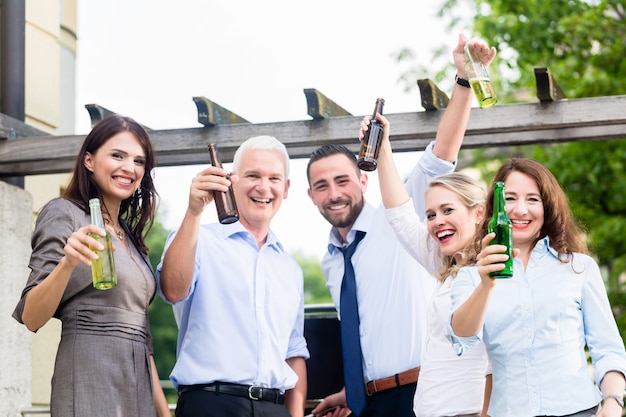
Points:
(349, 219)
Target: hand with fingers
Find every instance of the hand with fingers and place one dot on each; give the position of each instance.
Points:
(204, 183)
(78, 246)
(491, 259)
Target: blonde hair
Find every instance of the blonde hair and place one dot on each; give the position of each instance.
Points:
(473, 195)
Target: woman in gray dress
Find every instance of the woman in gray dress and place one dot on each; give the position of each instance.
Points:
(104, 364)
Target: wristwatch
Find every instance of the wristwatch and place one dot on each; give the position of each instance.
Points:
(461, 81)
(616, 397)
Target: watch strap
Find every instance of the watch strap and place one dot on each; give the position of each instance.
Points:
(461, 81)
(616, 397)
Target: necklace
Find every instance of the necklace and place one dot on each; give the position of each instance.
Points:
(118, 233)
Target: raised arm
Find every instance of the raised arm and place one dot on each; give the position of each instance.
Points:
(456, 116)
(392, 188)
(176, 273)
(450, 132)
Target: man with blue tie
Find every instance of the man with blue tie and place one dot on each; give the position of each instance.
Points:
(391, 288)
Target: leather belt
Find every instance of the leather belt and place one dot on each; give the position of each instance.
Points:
(397, 380)
(252, 392)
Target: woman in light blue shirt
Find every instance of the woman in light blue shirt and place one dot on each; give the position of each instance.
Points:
(537, 324)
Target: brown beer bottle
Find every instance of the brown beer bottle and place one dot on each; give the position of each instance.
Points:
(370, 146)
(224, 201)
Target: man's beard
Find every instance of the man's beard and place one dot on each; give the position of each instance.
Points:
(349, 219)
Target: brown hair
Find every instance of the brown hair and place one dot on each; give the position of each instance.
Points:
(559, 224)
(139, 210)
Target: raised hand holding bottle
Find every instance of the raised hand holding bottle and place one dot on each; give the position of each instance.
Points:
(478, 78)
(370, 146)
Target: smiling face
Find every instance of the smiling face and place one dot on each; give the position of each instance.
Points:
(261, 188)
(118, 166)
(337, 189)
(525, 209)
(450, 221)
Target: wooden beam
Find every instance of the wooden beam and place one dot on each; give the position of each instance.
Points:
(212, 114)
(11, 128)
(547, 87)
(432, 97)
(572, 120)
(321, 107)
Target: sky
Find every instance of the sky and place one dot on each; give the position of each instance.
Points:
(147, 58)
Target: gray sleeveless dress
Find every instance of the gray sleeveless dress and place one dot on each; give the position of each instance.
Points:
(103, 362)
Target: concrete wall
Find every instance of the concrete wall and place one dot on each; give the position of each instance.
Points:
(16, 208)
(27, 360)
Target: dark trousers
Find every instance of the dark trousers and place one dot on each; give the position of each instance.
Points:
(396, 402)
(209, 404)
(585, 413)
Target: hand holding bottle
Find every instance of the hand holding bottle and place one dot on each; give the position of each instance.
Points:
(372, 138)
(472, 57)
(479, 48)
(77, 248)
(492, 259)
(382, 121)
(204, 183)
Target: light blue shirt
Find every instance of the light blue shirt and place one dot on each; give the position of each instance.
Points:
(392, 288)
(244, 315)
(537, 326)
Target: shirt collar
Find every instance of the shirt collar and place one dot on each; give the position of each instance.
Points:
(362, 222)
(236, 228)
(543, 247)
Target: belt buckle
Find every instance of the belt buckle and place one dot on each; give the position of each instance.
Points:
(251, 395)
(374, 388)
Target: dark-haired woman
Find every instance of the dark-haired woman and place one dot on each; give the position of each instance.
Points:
(104, 364)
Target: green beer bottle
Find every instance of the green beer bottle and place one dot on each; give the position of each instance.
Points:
(503, 228)
(103, 268)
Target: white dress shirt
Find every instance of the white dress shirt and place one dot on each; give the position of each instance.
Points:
(392, 288)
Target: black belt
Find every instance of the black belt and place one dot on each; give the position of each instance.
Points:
(252, 392)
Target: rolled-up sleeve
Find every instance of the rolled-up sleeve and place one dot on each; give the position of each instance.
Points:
(463, 286)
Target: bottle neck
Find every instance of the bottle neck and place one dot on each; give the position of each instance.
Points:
(499, 203)
(214, 159)
(378, 108)
(96, 213)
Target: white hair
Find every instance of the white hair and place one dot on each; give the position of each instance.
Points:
(264, 142)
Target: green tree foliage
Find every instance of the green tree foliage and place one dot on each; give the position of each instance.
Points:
(315, 291)
(582, 43)
(162, 324)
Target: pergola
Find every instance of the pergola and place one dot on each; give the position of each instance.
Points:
(25, 150)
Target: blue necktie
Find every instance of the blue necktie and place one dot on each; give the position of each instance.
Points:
(350, 340)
